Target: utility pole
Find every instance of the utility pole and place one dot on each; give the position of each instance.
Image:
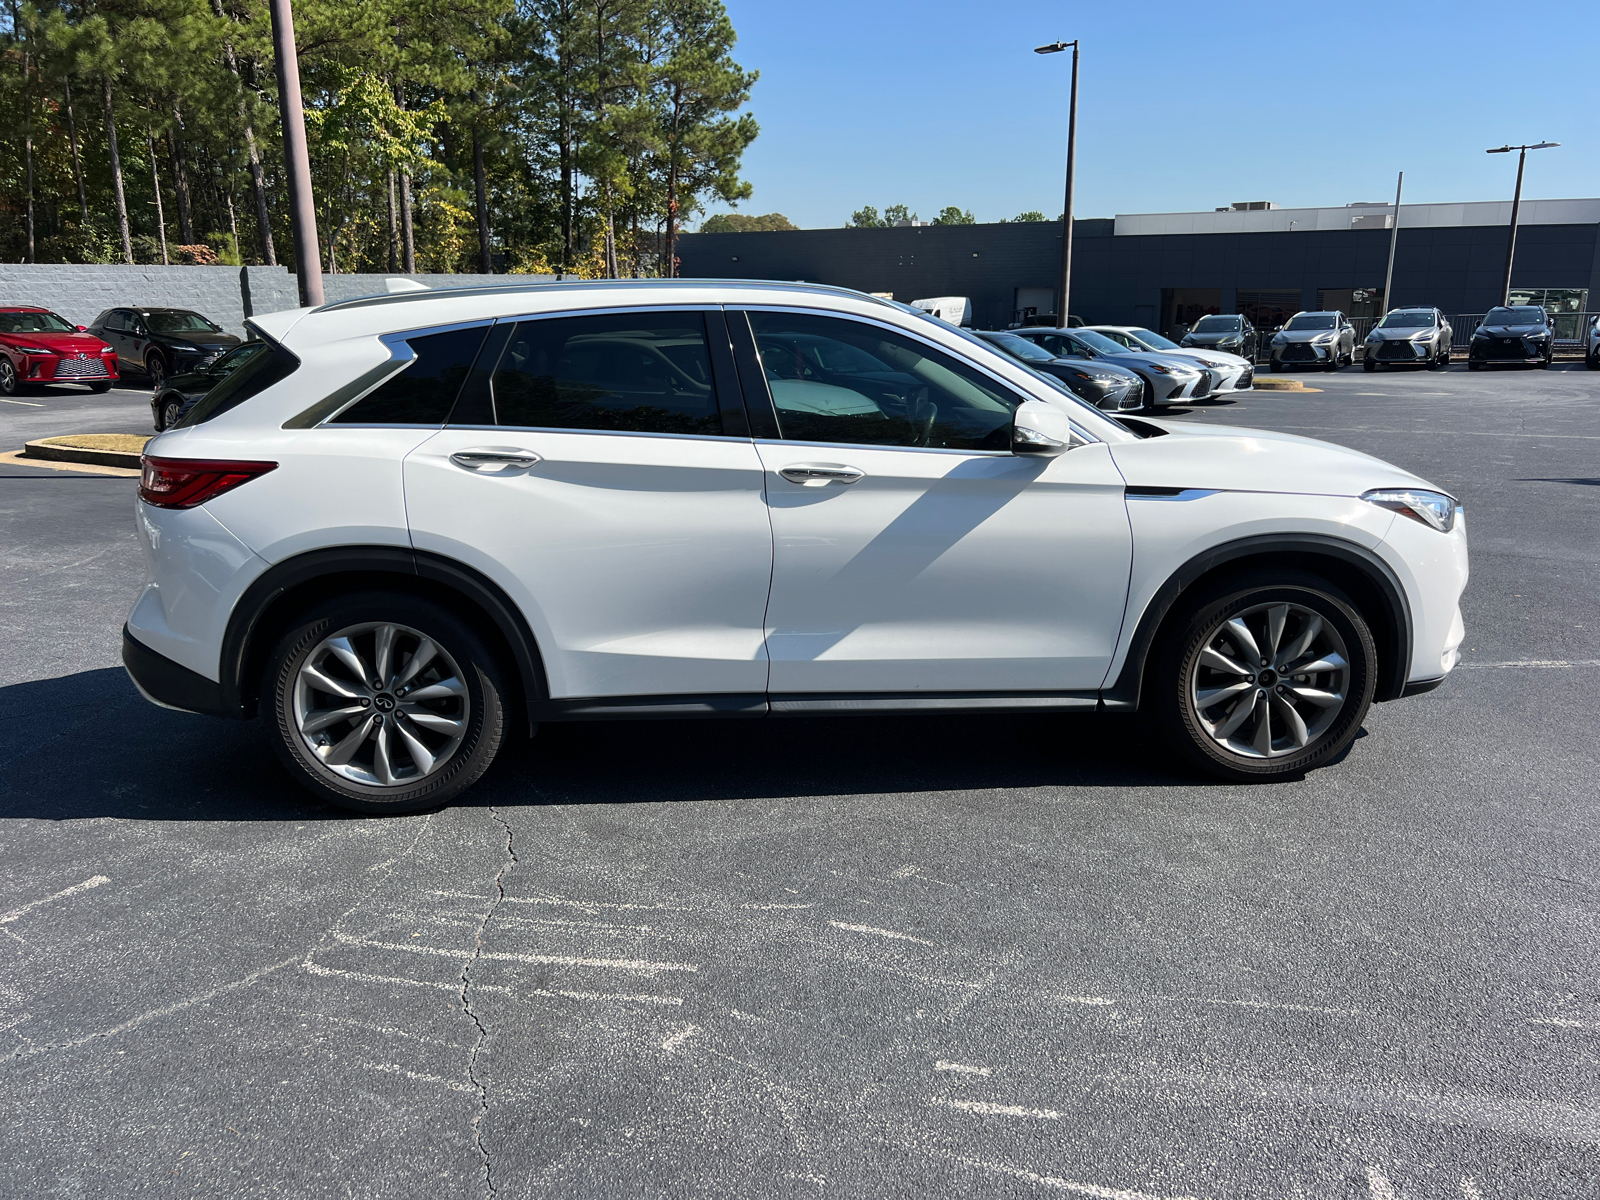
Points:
(291, 108)
(1394, 237)
(1516, 207)
(1064, 292)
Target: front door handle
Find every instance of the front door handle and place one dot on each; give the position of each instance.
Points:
(820, 474)
(494, 460)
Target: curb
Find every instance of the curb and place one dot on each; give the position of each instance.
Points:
(78, 454)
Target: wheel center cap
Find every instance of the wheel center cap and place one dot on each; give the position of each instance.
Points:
(383, 702)
(1267, 678)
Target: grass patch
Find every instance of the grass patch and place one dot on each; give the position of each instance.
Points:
(126, 443)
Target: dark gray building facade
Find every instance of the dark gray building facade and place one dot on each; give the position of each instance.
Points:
(1165, 270)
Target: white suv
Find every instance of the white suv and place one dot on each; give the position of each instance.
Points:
(428, 519)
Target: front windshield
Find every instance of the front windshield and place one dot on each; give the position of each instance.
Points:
(179, 322)
(1151, 340)
(1520, 315)
(1218, 325)
(1407, 320)
(1312, 321)
(34, 322)
(1020, 347)
(1098, 342)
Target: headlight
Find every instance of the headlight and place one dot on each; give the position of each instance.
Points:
(35, 350)
(1423, 336)
(1433, 509)
(1159, 369)
(1233, 341)
(1279, 339)
(1322, 339)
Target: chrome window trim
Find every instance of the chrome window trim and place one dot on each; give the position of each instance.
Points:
(561, 429)
(915, 335)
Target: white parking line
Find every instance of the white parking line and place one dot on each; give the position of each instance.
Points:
(24, 403)
(984, 1108)
(1557, 664)
(85, 886)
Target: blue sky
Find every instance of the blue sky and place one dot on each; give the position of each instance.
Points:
(1182, 107)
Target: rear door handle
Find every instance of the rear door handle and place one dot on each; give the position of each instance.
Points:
(494, 460)
(821, 474)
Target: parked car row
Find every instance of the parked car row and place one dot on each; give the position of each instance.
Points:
(38, 346)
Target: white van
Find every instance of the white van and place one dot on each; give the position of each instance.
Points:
(957, 310)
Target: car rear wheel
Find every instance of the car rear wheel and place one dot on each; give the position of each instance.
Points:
(156, 368)
(1265, 678)
(383, 703)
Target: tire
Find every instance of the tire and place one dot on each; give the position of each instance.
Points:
(1274, 364)
(1545, 364)
(169, 413)
(462, 726)
(1333, 362)
(1474, 366)
(1368, 364)
(1202, 634)
(156, 368)
(10, 385)
(1593, 362)
(100, 389)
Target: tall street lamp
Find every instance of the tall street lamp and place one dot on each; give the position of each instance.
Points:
(302, 211)
(1065, 290)
(1516, 204)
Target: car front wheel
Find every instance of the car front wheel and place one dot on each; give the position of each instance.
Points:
(1265, 679)
(156, 368)
(383, 703)
(169, 414)
(8, 377)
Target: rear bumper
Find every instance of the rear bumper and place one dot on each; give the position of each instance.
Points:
(169, 684)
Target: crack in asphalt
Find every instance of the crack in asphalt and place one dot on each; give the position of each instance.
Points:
(466, 1002)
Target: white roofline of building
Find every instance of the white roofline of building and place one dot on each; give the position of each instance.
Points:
(1412, 216)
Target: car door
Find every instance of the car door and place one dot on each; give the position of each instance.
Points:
(914, 554)
(600, 470)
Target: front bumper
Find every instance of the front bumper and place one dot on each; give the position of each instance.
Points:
(1400, 351)
(1507, 349)
(1304, 352)
(69, 368)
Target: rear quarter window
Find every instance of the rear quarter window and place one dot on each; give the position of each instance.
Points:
(250, 380)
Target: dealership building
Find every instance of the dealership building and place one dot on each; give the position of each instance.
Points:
(1163, 270)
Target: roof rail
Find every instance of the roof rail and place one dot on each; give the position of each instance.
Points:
(550, 285)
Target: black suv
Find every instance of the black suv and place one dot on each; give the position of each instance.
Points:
(1233, 335)
(170, 401)
(1518, 334)
(162, 342)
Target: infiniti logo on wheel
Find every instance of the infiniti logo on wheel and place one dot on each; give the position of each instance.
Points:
(384, 702)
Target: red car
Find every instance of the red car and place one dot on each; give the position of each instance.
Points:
(36, 346)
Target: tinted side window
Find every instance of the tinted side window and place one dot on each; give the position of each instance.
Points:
(423, 392)
(637, 372)
(835, 380)
(117, 320)
(255, 377)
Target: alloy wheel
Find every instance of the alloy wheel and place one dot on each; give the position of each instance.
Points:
(1270, 680)
(156, 368)
(381, 704)
(8, 377)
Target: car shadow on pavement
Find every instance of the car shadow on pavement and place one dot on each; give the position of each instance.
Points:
(87, 745)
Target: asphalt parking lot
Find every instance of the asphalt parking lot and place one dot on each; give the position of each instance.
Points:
(937, 957)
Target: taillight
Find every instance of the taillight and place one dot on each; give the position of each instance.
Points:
(187, 482)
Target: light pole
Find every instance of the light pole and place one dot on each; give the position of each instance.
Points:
(302, 211)
(1516, 205)
(1394, 237)
(1065, 290)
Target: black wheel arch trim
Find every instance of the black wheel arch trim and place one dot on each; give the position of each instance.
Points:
(1124, 692)
(240, 647)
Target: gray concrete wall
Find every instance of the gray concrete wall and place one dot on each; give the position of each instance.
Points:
(225, 294)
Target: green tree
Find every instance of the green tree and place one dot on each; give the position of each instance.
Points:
(1032, 216)
(741, 223)
(954, 216)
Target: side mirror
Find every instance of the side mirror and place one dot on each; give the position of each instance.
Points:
(83, 329)
(1041, 429)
